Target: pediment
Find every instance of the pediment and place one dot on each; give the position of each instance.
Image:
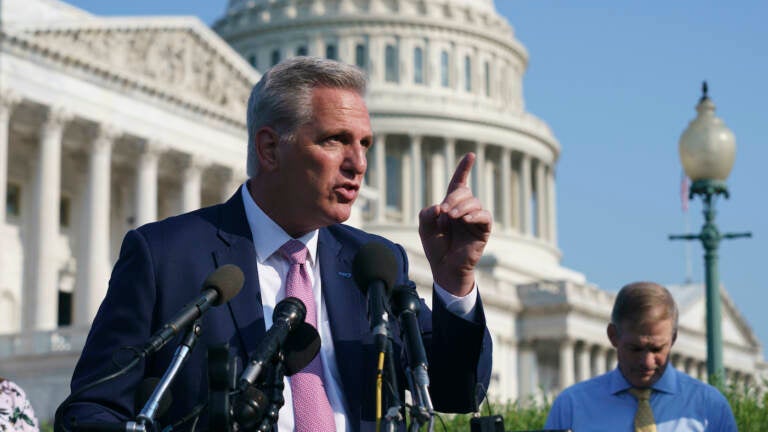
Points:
(176, 56)
(692, 307)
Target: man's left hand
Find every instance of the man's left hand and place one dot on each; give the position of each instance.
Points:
(454, 233)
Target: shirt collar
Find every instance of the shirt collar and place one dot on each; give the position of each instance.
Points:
(269, 234)
(668, 382)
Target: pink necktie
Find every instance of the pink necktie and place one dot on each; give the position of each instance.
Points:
(311, 410)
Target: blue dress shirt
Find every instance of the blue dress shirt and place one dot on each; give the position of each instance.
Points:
(680, 403)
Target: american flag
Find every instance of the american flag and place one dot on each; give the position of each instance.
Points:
(684, 185)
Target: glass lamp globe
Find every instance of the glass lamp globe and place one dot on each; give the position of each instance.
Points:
(707, 147)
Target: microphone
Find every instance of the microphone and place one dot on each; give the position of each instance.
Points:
(300, 347)
(375, 271)
(406, 306)
(219, 287)
(288, 315)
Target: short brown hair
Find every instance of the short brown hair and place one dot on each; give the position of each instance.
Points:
(639, 302)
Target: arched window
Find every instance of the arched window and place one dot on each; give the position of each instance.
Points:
(361, 57)
(330, 52)
(487, 79)
(252, 60)
(445, 78)
(467, 74)
(418, 65)
(301, 50)
(391, 71)
(275, 56)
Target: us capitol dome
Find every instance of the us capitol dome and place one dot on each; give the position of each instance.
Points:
(445, 78)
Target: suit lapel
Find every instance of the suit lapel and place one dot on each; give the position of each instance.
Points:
(344, 302)
(246, 308)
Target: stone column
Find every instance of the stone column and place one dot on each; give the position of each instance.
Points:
(191, 187)
(551, 205)
(406, 186)
(450, 159)
(231, 179)
(417, 185)
(438, 178)
(528, 368)
(506, 189)
(380, 155)
(8, 99)
(526, 227)
(93, 265)
(599, 359)
(41, 305)
(585, 366)
(488, 172)
(146, 183)
(566, 365)
(477, 176)
(541, 201)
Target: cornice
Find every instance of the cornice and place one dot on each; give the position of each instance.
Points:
(74, 46)
(238, 33)
(526, 124)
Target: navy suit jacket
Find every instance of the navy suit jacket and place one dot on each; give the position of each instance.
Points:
(162, 267)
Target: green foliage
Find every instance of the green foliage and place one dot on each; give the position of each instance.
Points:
(749, 407)
(518, 416)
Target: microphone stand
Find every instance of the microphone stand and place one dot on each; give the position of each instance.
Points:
(147, 414)
(275, 396)
(392, 417)
(406, 307)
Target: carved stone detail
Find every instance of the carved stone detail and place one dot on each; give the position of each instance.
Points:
(174, 59)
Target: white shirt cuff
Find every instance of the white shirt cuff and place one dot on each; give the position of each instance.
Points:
(463, 307)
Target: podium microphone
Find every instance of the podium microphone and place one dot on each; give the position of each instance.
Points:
(375, 271)
(406, 306)
(288, 314)
(219, 287)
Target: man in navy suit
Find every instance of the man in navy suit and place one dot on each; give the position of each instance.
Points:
(308, 134)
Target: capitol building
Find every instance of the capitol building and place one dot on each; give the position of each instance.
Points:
(107, 123)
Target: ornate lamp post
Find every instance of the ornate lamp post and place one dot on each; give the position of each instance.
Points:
(707, 150)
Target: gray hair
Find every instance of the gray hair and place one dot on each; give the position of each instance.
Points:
(281, 98)
(641, 302)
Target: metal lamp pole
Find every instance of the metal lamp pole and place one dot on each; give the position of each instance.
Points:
(707, 151)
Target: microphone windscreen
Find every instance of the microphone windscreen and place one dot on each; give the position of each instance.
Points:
(144, 392)
(374, 261)
(300, 347)
(291, 309)
(227, 280)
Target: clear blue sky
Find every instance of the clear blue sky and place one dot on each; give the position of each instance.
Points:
(618, 82)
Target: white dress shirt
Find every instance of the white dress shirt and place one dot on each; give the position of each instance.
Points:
(272, 268)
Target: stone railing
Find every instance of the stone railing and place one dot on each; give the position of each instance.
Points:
(64, 339)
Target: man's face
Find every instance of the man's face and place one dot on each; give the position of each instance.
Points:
(322, 169)
(643, 349)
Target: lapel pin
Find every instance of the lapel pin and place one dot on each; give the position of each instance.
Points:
(345, 275)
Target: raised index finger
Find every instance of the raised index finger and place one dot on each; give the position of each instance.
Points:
(461, 174)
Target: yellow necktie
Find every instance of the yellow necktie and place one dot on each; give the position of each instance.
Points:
(644, 421)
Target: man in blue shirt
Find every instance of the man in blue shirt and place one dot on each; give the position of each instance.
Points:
(644, 393)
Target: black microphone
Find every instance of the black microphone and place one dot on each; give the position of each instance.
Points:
(219, 287)
(406, 306)
(375, 271)
(300, 347)
(288, 314)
